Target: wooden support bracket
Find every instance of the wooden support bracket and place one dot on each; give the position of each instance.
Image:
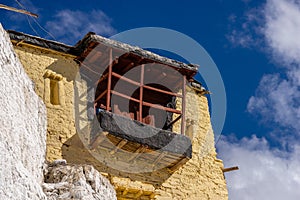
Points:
(230, 169)
(98, 140)
(138, 153)
(158, 159)
(119, 146)
(179, 164)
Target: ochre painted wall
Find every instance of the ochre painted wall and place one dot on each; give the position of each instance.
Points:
(44, 66)
(200, 178)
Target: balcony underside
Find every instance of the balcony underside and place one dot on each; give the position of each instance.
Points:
(140, 142)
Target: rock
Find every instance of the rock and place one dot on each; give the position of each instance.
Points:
(22, 129)
(77, 182)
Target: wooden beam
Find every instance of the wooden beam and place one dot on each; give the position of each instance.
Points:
(179, 164)
(162, 91)
(162, 107)
(95, 56)
(138, 152)
(101, 79)
(109, 79)
(145, 86)
(230, 169)
(100, 96)
(146, 103)
(87, 67)
(183, 104)
(158, 159)
(119, 146)
(141, 93)
(18, 10)
(125, 55)
(125, 96)
(160, 77)
(98, 140)
(127, 67)
(174, 121)
(125, 79)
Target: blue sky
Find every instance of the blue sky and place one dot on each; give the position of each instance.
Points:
(256, 46)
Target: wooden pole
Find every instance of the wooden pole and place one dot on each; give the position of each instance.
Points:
(109, 80)
(230, 169)
(183, 104)
(18, 10)
(174, 121)
(141, 94)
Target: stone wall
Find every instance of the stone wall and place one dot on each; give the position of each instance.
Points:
(22, 129)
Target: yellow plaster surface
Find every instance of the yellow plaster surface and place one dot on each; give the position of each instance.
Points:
(42, 66)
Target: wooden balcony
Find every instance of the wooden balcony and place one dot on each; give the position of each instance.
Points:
(132, 141)
(135, 103)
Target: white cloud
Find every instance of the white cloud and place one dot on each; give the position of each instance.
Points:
(277, 98)
(243, 31)
(268, 173)
(264, 173)
(70, 26)
(282, 29)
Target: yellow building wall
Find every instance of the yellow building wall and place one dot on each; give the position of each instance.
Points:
(44, 67)
(200, 178)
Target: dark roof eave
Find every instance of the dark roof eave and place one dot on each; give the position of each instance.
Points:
(92, 37)
(40, 42)
(81, 46)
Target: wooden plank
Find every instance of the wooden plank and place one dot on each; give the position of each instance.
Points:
(162, 91)
(141, 93)
(125, 79)
(162, 76)
(127, 67)
(178, 165)
(158, 159)
(183, 104)
(109, 79)
(100, 96)
(145, 86)
(98, 140)
(161, 107)
(174, 121)
(119, 146)
(95, 56)
(90, 69)
(230, 169)
(146, 103)
(18, 10)
(138, 153)
(125, 96)
(101, 79)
